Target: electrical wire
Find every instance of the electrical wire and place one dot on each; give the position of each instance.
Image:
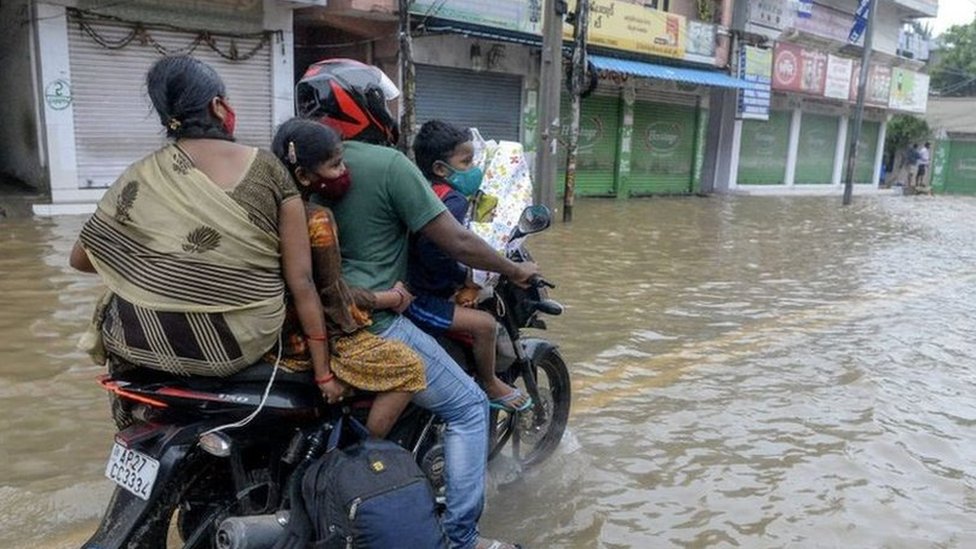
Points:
(264, 399)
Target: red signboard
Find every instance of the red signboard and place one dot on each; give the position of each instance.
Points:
(799, 69)
(879, 84)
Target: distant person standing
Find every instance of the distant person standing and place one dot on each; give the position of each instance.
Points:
(924, 158)
(912, 159)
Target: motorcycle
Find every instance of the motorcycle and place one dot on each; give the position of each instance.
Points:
(214, 459)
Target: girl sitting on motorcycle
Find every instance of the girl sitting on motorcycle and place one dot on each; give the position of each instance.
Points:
(358, 359)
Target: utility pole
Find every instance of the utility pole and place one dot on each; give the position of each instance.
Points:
(407, 79)
(550, 80)
(578, 81)
(862, 84)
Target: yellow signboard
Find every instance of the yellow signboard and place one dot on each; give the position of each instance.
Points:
(630, 27)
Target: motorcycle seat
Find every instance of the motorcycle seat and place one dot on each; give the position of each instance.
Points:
(258, 373)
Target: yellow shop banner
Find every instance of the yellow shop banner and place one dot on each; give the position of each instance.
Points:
(630, 27)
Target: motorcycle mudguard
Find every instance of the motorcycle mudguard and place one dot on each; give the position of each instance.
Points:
(536, 348)
(170, 445)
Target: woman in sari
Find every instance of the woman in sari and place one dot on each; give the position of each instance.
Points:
(197, 242)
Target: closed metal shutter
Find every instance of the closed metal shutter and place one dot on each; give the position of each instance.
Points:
(867, 144)
(662, 149)
(596, 161)
(763, 150)
(961, 169)
(115, 124)
(818, 140)
(491, 102)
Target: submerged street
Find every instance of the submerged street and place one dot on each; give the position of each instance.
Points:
(748, 371)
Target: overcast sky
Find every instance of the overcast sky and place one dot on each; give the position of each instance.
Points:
(952, 12)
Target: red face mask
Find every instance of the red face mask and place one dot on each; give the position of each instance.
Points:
(230, 120)
(332, 189)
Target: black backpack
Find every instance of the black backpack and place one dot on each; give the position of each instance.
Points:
(370, 494)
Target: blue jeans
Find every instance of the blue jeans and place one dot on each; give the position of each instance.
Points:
(453, 396)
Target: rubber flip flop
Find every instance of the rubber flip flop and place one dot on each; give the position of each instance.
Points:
(504, 403)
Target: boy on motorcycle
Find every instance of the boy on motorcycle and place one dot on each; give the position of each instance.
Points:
(445, 154)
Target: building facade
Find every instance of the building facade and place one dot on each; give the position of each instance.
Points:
(80, 93)
(800, 142)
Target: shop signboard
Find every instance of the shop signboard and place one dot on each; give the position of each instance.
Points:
(700, 41)
(838, 81)
(799, 69)
(772, 14)
(754, 66)
(878, 86)
(514, 15)
(623, 26)
(909, 90)
(826, 22)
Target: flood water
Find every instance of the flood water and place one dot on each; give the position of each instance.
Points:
(752, 372)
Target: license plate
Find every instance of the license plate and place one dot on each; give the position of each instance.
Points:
(132, 470)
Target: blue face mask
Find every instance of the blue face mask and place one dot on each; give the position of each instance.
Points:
(467, 182)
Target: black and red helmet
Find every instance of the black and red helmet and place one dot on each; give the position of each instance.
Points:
(350, 97)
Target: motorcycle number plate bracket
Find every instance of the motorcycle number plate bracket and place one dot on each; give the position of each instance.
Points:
(132, 470)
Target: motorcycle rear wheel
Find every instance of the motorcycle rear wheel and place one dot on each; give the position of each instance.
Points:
(533, 435)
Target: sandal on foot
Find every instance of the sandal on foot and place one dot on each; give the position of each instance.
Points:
(505, 403)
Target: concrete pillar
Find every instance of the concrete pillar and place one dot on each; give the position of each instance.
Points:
(51, 22)
(793, 146)
(879, 151)
(279, 18)
(626, 139)
(735, 148)
(839, 150)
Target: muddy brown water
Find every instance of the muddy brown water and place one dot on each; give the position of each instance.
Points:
(752, 372)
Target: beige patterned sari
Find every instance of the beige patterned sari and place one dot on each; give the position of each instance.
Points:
(194, 270)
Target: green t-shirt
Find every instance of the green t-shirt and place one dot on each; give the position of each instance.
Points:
(388, 199)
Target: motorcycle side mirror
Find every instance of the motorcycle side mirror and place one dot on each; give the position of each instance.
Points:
(533, 219)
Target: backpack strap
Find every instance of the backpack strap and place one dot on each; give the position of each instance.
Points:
(441, 189)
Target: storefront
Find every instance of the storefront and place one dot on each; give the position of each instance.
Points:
(662, 159)
(763, 153)
(109, 92)
(97, 117)
(599, 144)
(489, 101)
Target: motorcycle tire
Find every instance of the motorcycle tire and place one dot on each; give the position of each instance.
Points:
(552, 377)
(154, 532)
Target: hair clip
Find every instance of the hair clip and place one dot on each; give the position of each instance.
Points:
(292, 156)
(174, 124)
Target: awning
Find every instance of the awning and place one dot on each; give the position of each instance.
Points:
(664, 72)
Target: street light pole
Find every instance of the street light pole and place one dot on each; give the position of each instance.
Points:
(859, 109)
(579, 77)
(407, 79)
(550, 79)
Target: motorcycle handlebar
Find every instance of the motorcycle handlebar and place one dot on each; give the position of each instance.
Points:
(536, 281)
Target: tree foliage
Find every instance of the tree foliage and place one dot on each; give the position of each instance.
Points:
(903, 130)
(955, 72)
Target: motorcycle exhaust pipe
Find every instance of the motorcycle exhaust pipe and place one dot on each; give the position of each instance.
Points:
(253, 532)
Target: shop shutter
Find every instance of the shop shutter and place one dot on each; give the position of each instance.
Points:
(662, 148)
(489, 101)
(818, 140)
(867, 144)
(596, 161)
(961, 173)
(762, 155)
(115, 124)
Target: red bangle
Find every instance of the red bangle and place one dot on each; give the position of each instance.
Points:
(315, 337)
(324, 379)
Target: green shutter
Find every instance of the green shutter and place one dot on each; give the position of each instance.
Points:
(867, 144)
(596, 160)
(961, 176)
(818, 140)
(763, 150)
(663, 148)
